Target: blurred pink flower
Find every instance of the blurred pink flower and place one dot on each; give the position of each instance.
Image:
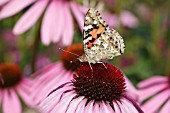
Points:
(12, 87)
(49, 78)
(157, 89)
(55, 74)
(57, 23)
(126, 18)
(100, 92)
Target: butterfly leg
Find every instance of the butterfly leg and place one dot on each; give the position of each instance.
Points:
(103, 64)
(90, 67)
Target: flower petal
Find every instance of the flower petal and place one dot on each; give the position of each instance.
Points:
(2, 2)
(81, 107)
(0, 97)
(131, 89)
(13, 7)
(73, 105)
(44, 72)
(52, 23)
(150, 91)
(53, 99)
(58, 22)
(106, 108)
(11, 102)
(55, 82)
(89, 107)
(28, 20)
(25, 95)
(62, 106)
(151, 107)
(68, 32)
(152, 80)
(96, 108)
(128, 19)
(165, 108)
(117, 107)
(128, 107)
(78, 15)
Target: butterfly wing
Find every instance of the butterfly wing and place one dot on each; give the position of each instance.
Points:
(100, 42)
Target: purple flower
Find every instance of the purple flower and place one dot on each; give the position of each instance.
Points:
(57, 23)
(157, 90)
(13, 86)
(102, 91)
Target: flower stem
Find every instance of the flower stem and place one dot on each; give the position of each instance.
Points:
(35, 47)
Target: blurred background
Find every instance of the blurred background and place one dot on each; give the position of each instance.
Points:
(144, 26)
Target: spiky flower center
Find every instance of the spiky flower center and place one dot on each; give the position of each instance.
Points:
(70, 61)
(10, 75)
(99, 84)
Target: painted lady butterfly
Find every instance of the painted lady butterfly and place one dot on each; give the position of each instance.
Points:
(100, 42)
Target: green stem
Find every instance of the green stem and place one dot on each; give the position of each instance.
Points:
(35, 47)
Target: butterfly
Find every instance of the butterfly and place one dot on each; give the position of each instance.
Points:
(100, 41)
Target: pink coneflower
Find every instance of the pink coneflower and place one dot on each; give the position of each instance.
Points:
(157, 90)
(102, 91)
(13, 86)
(57, 23)
(57, 73)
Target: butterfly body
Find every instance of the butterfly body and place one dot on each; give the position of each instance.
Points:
(100, 42)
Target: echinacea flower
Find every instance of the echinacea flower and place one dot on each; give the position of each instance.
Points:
(13, 87)
(54, 74)
(100, 91)
(157, 90)
(57, 22)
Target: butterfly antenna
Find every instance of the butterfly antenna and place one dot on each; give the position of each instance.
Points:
(69, 52)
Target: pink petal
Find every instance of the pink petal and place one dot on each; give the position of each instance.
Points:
(73, 105)
(152, 80)
(111, 19)
(165, 108)
(0, 97)
(78, 15)
(13, 7)
(2, 2)
(57, 81)
(153, 104)
(52, 23)
(58, 22)
(117, 106)
(89, 107)
(28, 81)
(81, 107)
(128, 19)
(96, 108)
(68, 32)
(25, 96)
(151, 91)
(43, 73)
(45, 76)
(132, 91)
(53, 99)
(30, 17)
(128, 106)
(11, 102)
(61, 107)
(106, 108)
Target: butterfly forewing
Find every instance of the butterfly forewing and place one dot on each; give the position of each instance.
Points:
(100, 42)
